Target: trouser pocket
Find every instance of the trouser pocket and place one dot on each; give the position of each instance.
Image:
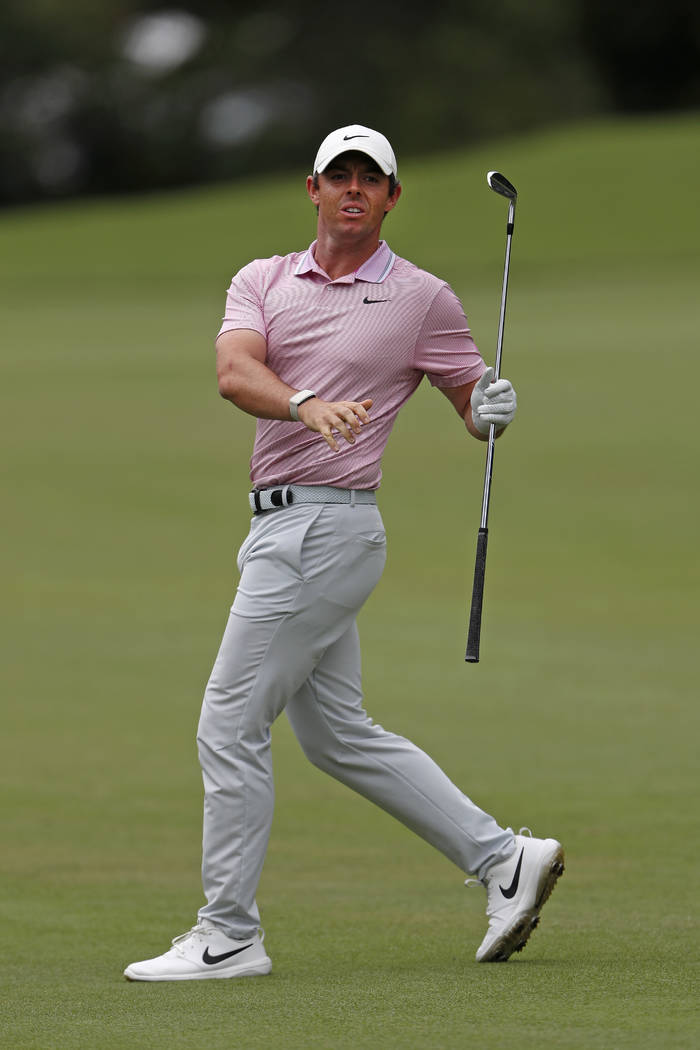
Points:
(270, 562)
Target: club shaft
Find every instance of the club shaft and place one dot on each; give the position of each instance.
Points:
(474, 634)
(488, 473)
(504, 290)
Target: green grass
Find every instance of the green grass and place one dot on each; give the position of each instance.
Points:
(125, 480)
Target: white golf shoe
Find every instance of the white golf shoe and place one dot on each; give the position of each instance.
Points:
(517, 888)
(204, 952)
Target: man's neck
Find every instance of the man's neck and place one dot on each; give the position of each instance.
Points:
(338, 258)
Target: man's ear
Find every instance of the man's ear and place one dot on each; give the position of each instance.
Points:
(312, 190)
(393, 200)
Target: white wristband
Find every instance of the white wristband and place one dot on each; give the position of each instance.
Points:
(298, 399)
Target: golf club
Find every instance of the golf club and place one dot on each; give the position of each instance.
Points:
(499, 184)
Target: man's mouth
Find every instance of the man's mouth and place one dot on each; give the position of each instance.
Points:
(351, 209)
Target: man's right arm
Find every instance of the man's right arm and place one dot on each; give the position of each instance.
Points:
(246, 381)
(244, 378)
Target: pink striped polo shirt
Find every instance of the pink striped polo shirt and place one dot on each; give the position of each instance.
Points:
(373, 333)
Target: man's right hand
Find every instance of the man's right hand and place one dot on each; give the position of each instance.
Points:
(345, 417)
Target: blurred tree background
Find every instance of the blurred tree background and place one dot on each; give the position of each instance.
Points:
(122, 95)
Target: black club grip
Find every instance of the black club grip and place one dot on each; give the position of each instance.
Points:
(474, 636)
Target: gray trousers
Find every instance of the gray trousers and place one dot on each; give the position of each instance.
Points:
(291, 643)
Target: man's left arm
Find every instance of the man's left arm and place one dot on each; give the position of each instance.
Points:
(445, 351)
(483, 402)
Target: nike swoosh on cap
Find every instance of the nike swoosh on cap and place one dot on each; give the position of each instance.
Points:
(346, 138)
(212, 960)
(513, 888)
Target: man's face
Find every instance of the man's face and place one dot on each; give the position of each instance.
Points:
(352, 196)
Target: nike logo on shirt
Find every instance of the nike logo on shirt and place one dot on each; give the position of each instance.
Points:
(366, 300)
(212, 960)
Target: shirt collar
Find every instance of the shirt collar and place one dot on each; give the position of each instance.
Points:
(375, 270)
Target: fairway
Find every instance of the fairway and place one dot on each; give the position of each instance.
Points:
(125, 480)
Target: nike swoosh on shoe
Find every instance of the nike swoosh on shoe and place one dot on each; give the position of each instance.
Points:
(212, 960)
(510, 891)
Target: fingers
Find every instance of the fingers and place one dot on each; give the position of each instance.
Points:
(492, 402)
(501, 386)
(501, 407)
(484, 381)
(346, 418)
(346, 425)
(500, 418)
(349, 418)
(327, 436)
(499, 404)
(361, 408)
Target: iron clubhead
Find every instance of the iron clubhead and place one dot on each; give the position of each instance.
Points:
(499, 184)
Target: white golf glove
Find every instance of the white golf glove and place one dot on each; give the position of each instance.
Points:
(493, 402)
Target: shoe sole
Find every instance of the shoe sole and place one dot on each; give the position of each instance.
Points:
(517, 935)
(259, 969)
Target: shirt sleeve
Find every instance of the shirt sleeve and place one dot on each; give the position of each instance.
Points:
(445, 350)
(244, 307)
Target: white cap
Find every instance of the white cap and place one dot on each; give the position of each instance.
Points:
(358, 138)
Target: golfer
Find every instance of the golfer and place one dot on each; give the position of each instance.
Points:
(323, 347)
